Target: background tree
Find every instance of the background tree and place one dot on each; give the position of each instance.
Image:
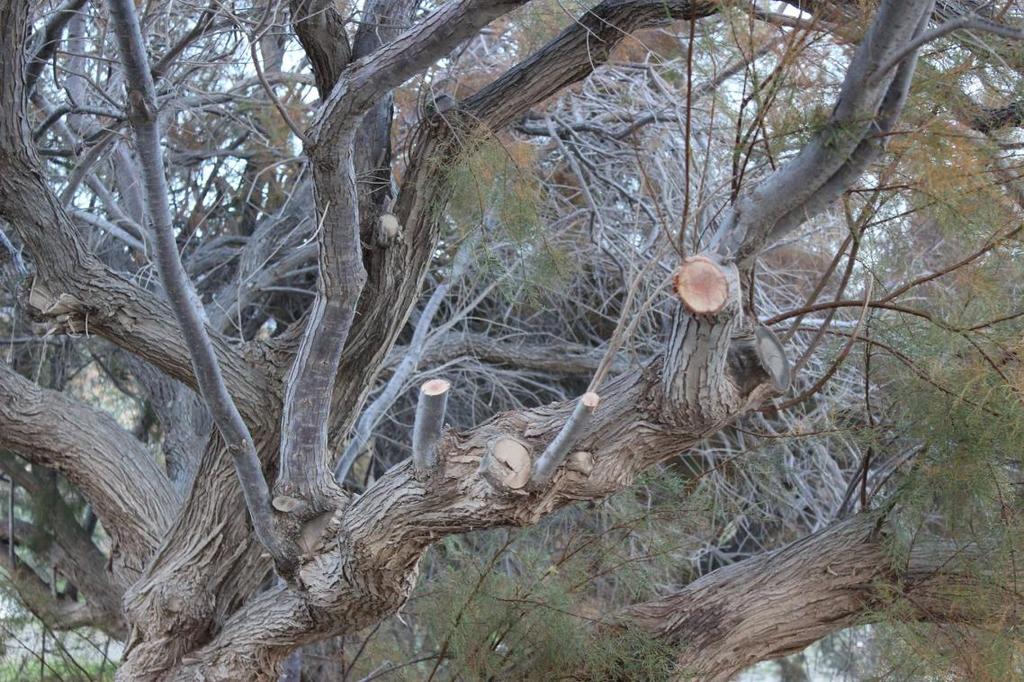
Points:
(307, 305)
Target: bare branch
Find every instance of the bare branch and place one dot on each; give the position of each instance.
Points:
(143, 114)
(321, 30)
(834, 159)
(50, 39)
(779, 602)
(114, 471)
(413, 353)
(965, 22)
(573, 55)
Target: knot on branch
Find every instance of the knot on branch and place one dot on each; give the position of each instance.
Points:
(62, 313)
(757, 359)
(301, 525)
(389, 230)
(139, 109)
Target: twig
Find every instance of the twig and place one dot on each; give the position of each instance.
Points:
(558, 449)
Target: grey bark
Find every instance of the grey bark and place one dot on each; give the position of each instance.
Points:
(197, 609)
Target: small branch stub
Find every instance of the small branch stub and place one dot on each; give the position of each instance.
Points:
(429, 422)
(507, 464)
(389, 229)
(701, 285)
(555, 453)
(581, 461)
(773, 358)
(285, 504)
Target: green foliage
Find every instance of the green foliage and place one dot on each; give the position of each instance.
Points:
(540, 604)
(962, 404)
(492, 187)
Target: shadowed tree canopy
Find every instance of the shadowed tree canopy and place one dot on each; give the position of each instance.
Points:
(482, 339)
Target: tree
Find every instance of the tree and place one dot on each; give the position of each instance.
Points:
(302, 175)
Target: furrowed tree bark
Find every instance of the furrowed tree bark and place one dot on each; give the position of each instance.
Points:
(780, 602)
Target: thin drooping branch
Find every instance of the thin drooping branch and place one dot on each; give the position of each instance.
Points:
(144, 116)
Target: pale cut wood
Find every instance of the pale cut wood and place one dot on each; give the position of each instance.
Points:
(285, 504)
(507, 464)
(389, 226)
(701, 285)
(581, 461)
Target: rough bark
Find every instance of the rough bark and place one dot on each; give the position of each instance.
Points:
(778, 603)
(198, 609)
(120, 478)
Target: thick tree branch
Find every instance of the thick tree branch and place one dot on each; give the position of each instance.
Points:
(305, 487)
(77, 557)
(395, 274)
(50, 39)
(320, 29)
(778, 603)
(115, 473)
(71, 290)
(831, 161)
(573, 55)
